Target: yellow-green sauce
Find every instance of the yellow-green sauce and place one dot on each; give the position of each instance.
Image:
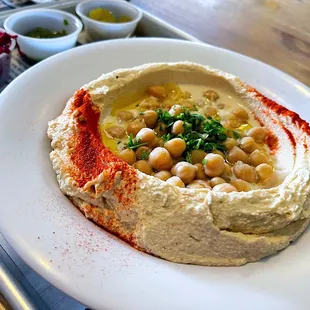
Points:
(104, 15)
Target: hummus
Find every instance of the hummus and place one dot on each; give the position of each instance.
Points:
(223, 217)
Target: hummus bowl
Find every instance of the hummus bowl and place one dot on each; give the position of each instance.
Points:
(185, 162)
(85, 261)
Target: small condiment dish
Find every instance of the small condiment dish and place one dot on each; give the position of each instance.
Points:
(98, 30)
(37, 49)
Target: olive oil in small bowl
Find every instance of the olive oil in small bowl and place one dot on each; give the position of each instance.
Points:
(108, 19)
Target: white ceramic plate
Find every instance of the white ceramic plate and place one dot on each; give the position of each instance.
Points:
(101, 271)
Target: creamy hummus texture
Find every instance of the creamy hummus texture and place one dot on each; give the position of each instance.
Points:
(184, 225)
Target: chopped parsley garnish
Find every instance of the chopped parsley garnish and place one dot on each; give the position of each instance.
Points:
(215, 130)
(193, 121)
(165, 117)
(188, 157)
(45, 33)
(134, 143)
(200, 133)
(236, 134)
(204, 161)
(166, 137)
(144, 155)
(66, 23)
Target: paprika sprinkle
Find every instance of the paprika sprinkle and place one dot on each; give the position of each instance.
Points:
(91, 157)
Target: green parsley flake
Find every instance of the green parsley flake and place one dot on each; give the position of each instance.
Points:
(134, 143)
(200, 133)
(188, 157)
(236, 134)
(166, 137)
(144, 155)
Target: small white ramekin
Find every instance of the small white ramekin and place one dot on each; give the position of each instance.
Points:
(101, 30)
(37, 49)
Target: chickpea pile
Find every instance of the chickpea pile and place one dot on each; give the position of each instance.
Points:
(148, 141)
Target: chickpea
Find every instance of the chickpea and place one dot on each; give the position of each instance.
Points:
(211, 95)
(227, 170)
(217, 180)
(176, 181)
(233, 121)
(258, 134)
(146, 135)
(168, 103)
(226, 124)
(115, 132)
(219, 153)
(163, 175)
(157, 91)
(244, 171)
(134, 127)
(143, 166)
(236, 154)
(264, 171)
(213, 165)
(220, 105)
(205, 183)
(125, 116)
(188, 104)
(241, 114)
(185, 171)
(258, 157)
(177, 127)
(150, 118)
(230, 143)
(149, 103)
(200, 172)
(210, 111)
(128, 155)
(248, 144)
(194, 186)
(143, 152)
(231, 134)
(224, 187)
(175, 147)
(160, 129)
(199, 184)
(241, 185)
(197, 156)
(176, 110)
(173, 169)
(158, 142)
(199, 102)
(186, 95)
(160, 159)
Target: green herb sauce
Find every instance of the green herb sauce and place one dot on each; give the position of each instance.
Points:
(44, 33)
